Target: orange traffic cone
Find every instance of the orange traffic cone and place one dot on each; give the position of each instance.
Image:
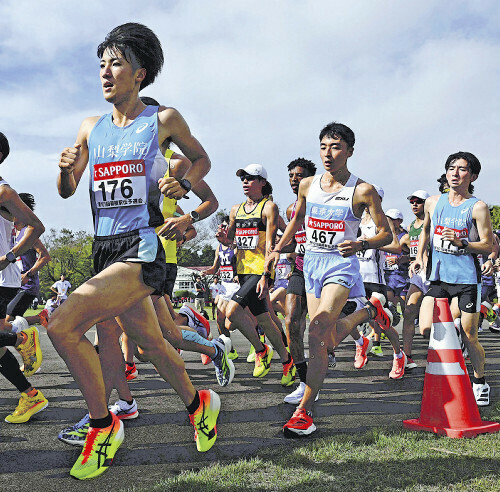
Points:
(448, 403)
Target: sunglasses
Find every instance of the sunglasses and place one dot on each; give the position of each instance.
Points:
(248, 177)
(417, 201)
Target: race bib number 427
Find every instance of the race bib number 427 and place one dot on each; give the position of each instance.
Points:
(119, 184)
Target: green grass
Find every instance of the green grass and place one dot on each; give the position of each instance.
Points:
(380, 459)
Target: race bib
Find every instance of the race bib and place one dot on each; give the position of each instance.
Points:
(445, 246)
(226, 273)
(325, 233)
(247, 238)
(413, 248)
(119, 184)
(300, 239)
(388, 266)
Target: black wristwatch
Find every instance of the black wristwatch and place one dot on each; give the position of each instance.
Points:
(364, 245)
(194, 215)
(186, 184)
(10, 257)
(465, 243)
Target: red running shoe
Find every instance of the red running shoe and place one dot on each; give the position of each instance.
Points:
(131, 371)
(361, 357)
(301, 424)
(383, 316)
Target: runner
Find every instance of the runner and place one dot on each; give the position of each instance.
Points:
(331, 204)
(418, 282)
(126, 169)
(214, 287)
(12, 209)
(396, 265)
(253, 224)
(61, 288)
(458, 227)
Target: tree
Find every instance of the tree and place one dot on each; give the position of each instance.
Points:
(71, 254)
(495, 216)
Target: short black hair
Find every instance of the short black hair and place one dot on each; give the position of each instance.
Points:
(4, 147)
(28, 199)
(338, 130)
(308, 165)
(471, 159)
(136, 41)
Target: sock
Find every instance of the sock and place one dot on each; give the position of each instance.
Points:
(194, 404)
(8, 339)
(9, 367)
(101, 423)
(283, 337)
(302, 370)
(398, 356)
(193, 336)
(359, 341)
(130, 364)
(32, 392)
(477, 380)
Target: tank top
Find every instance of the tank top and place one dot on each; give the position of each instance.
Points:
(283, 267)
(395, 268)
(329, 218)
(11, 275)
(168, 207)
(25, 262)
(125, 164)
(250, 239)
(414, 235)
(227, 261)
(300, 241)
(448, 263)
(371, 261)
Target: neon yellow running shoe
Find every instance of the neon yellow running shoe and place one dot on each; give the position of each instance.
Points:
(27, 407)
(263, 362)
(30, 351)
(99, 450)
(251, 354)
(288, 374)
(204, 420)
(233, 355)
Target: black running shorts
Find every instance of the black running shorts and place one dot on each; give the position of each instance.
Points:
(170, 276)
(140, 246)
(469, 295)
(21, 302)
(6, 295)
(296, 283)
(247, 296)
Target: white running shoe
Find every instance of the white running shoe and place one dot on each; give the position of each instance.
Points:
(295, 397)
(19, 324)
(124, 411)
(482, 394)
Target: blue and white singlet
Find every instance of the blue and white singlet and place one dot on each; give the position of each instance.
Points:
(125, 164)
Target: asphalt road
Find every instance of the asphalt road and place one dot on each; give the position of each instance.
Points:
(160, 442)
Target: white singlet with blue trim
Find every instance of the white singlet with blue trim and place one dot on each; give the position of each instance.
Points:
(125, 164)
(371, 261)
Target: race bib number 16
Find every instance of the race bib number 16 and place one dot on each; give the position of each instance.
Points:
(119, 184)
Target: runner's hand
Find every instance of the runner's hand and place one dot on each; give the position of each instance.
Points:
(271, 261)
(68, 158)
(487, 268)
(171, 188)
(174, 228)
(415, 267)
(348, 248)
(262, 288)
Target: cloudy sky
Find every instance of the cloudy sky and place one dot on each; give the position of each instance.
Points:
(257, 80)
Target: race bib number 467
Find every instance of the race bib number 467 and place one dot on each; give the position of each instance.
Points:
(325, 233)
(119, 184)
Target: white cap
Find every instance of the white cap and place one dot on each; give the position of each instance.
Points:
(422, 194)
(394, 213)
(253, 170)
(380, 191)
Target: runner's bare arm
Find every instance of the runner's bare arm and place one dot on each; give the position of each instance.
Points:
(294, 224)
(394, 246)
(270, 214)
(15, 207)
(226, 236)
(290, 247)
(173, 125)
(481, 214)
(74, 160)
(43, 257)
(213, 269)
(424, 238)
(366, 196)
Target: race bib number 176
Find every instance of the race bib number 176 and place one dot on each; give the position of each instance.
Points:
(119, 184)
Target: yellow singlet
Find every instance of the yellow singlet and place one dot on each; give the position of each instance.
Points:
(250, 240)
(168, 207)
